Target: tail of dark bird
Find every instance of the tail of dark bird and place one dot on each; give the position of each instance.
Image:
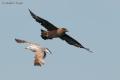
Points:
(20, 41)
(42, 30)
(42, 35)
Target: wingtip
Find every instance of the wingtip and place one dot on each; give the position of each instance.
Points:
(88, 50)
(31, 12)
(28, 9)
(16, 39)
(85, 49)
(19, 40)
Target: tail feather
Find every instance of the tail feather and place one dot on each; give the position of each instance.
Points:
(42, 34)
(43, 37)
(37, 64)
(42, 30)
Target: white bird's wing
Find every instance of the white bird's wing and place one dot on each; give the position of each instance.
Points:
(27, 42)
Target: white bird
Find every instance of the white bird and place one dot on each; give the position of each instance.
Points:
(40, 52)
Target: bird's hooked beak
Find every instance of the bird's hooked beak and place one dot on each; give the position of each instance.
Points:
(48, 51)
(66, 30)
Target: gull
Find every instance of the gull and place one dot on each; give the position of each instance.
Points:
(54, 32)
(40, 52)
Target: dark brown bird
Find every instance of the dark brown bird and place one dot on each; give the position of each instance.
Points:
(54, 32)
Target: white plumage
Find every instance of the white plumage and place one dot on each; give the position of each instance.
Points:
(40, 52)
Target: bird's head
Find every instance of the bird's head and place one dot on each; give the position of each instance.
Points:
(64, 29)
(47, 50)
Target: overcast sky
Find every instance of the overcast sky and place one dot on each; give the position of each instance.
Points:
(94, 23)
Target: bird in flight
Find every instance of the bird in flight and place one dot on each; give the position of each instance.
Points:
(54, 32)
(40, 52)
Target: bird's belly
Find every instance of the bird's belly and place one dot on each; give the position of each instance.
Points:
(50, 34)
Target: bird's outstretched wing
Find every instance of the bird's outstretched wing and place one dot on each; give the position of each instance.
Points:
(20, 41)
(23, 41)
(26, 42)
(73, 42)
(43, 22)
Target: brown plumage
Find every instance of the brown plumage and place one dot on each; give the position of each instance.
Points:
(54, 32)
(39, 59)
(40, 53)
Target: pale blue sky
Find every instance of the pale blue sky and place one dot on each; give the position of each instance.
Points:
(94, 23)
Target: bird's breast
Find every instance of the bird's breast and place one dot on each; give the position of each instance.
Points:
(50, 34)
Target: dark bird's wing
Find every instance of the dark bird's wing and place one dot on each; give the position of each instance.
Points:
(73, 42)
(43, 22)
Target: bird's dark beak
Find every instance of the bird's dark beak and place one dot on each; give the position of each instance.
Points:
(49, 50)
(66, 30)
